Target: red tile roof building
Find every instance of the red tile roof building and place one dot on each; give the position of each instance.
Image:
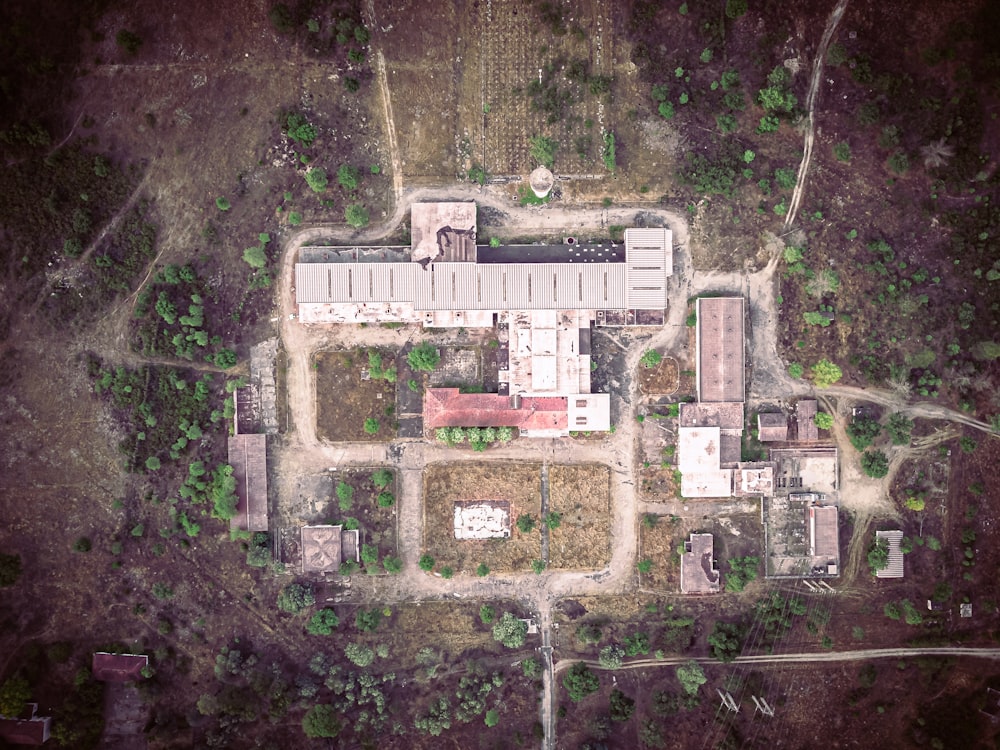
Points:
(446, 407)
(27, 728)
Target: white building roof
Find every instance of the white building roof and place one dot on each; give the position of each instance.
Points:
(698, 449)
(717, 483)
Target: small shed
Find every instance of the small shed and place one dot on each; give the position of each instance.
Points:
(27, 728)
(805, 418)
(895, 567)
(118, 667)
(325, 546)
(772, 427)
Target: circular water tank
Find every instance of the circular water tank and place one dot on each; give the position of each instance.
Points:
(541, 181)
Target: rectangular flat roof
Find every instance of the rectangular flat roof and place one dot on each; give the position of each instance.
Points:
(698, 575)
(720, 344)
(716, 483)
(823, 531)
(248, 457)
(727, 416)
(698, 449)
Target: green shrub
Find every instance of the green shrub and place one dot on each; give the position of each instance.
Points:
(426, 563)
(323, 622)
(316, 179)
(842, 151)
(580, 682)
(356, 216)
(295, 597)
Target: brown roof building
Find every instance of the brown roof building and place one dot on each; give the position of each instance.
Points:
(118, 667)
(823, 532)
(805, 418)
(26, 728)
(720, 343)
(248, 457)
(447, 407)
(772, 427)
(324, 547)
(698, 572)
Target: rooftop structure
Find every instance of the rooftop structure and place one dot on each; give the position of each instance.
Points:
(805, 419)
(27, 728)
(801, 536)
(823, 533)
(754, 479)
(708, 448)
(118, 667)
(443, 231)
(772, 427)
(726, 416)
(805, 469)
(698, 572)
(248, 457)
(895, 567)
(325, 546)
(720, 344)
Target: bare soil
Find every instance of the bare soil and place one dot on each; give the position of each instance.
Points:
(446, 484)
(581, 495)
(349, 398)
(662, 380)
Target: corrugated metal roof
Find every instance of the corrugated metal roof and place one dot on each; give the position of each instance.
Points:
(894, 568)
(649, 258)
(355, 282)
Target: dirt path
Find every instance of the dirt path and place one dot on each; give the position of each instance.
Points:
(814, 81)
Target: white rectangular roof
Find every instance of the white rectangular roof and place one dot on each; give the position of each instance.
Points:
(717, 483)
(649, 258)
(698, 449)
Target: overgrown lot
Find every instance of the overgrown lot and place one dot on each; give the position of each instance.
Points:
(580, 495)
(355, 395)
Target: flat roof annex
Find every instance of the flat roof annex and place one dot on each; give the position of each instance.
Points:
(720, 344)
(698, 574)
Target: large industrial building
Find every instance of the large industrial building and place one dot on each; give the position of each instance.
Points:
(543, 299)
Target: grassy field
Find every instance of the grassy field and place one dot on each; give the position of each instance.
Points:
(581, 495)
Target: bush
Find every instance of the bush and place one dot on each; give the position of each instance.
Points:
(369, 554)
(726, 640)
(371, 426)
(345, 496)
(295, 597)
(128, 41)
(492, 718)
(742, 570)
(447, 572)
(356, 215)
(825, 373)
(795, 370)
(392, 565)
(426, 563)
(823, 420)
(650, 358)
(691, 676)
(255, 257)
(580, 682)
(316, 179)
(487, 614)
(259, 550)
(222, 203)
(323, 622)
(622, 707)
(382, 478)
(735, 8)
(483, 570)
(525, 523)
(82, 545)
(510, 631)
(645, 565)
(552, 519)
(321, 721)
(367, 620)
(423, 357)
(543, 150)
(875, 464)
(386, 500)
(842, 151)
(347, 177)
(359, 654)
(899, 427)
(611, 656)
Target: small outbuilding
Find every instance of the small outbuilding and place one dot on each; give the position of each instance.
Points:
(895, 567)
(248, 457)
(118, 667)
(325, 547)
(27, 728)
(772, 427)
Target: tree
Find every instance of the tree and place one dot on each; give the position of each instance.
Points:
(224, 358)
(875, 464)
(823, 420)
(580, 682)
(316, 179)
(371, 426)
(359, 654)
(525, 523)
(382, 478)
(10, 570)
(367, 620)
(795, 370)
(295, 597)
(611, 656)
(369, 554)
(691, 676)
(483, 570)
(423, 357)
(447, 572)
(356, 215)
(300, 130)
(878, 556)
(636, 644)
(650, 358)
(915, 502)
(385, 499)
(259, 550)
(392, 565)
(347, 177)
(899, 427)
(492, 718)
(825, 373)
(645, 565)
(255, 257)
(14, 693)
(321, 721)
(487, 614)
(323, 622)
(742, 570)
(510, 631)
(426, 563)
(735, 8)
(863, 431)
(622, 707)
(543, 150)
(726, 640)
(552, 519)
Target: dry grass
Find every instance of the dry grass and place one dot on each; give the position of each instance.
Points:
(581, 494)
(446, 483)
(659, 544)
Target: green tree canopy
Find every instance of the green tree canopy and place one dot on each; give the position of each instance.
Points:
(359, 654)
(356, 216)
(295, 597)
(14, 693)
(382, 478)
(878, 555)
(423, 357)
(510, 631)
(323, 622)
(543, 150)
(823, 420)
(899, 427)
(316, 179)
(825, 373)
(321, 721)
(650, 358)
(863, 431)
(255, 257)
(580, 682)
(691, 676)
(347, 177)
(875, 464)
